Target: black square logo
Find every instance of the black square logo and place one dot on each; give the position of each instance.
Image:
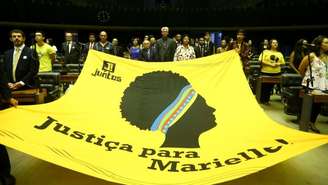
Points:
(109, 66)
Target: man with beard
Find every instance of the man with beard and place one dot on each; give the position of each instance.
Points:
(21, 66)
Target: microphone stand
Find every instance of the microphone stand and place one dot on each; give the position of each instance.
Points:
(81, 46)
(309, 80)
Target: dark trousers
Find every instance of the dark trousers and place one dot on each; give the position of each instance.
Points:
(4, 158)
(266, 92)
(316, 109)
(267, 89)
(3, 105)
(4, 162)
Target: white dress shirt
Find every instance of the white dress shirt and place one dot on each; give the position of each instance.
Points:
(19, 50)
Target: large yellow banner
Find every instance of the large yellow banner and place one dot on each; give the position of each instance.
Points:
(132, 122)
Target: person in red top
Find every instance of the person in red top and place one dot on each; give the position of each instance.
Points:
(242, 47)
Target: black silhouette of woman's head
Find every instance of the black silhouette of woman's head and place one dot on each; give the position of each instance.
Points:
(166, 102)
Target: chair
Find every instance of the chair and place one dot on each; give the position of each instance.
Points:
(59, 68)
(290, 90)
(2, 59)
(28, 96)
(287, 69)
(254, 71)
(254, 62)
(50, 82)
(74, 68)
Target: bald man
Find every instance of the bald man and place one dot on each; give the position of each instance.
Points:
(147, 52)
(165, 46)
(104, 45)
(117, 49)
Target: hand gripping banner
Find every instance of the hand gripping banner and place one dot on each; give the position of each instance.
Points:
(156, 123)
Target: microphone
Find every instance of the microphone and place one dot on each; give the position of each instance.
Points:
(309, 45)
(308, 48)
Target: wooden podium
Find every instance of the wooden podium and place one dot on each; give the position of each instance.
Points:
(29, 96)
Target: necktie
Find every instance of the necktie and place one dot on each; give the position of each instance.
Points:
(148, 54)
(115, 50)
(69, 47)
(15, 62)
(202, 51)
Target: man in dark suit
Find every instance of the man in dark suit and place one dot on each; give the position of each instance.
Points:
(5, 94)
(210, 47)
(71, 50)
(21, 66)
(165, 46)
(116, 49)
(90, 45)
(202, 50)
(147, 53)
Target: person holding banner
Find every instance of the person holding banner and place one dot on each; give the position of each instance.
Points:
(5, 93)
(242, 48)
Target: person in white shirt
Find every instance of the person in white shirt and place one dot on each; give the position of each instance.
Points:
(314, 69)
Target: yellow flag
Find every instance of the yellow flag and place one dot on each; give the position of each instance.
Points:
(148, 123)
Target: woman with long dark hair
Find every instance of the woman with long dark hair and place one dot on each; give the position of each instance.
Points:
(315, 75)
(135, 49)
(298, 54)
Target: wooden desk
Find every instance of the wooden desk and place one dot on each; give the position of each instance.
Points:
(69, 78)
(265, 79)
(308, 100)
(33, 96)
